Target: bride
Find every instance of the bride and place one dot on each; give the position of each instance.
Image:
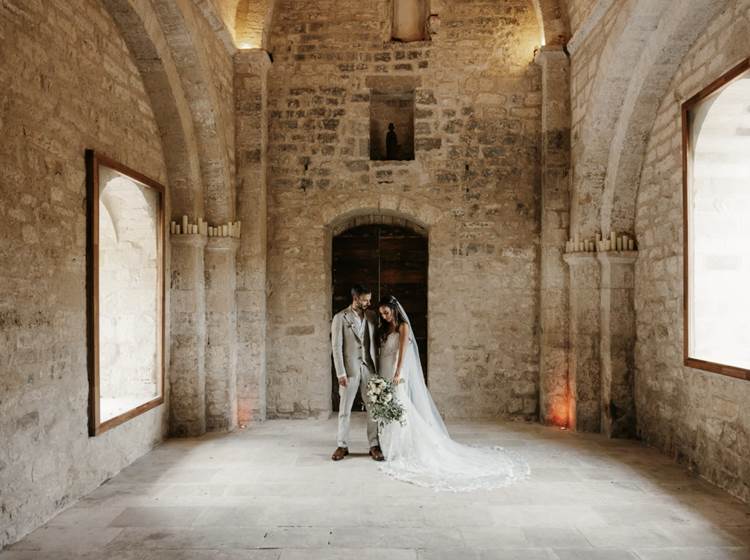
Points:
(420, 451)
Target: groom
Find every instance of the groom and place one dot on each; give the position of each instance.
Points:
(354, 358)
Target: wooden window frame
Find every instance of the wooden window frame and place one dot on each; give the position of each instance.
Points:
(93, 162)
(712, 89)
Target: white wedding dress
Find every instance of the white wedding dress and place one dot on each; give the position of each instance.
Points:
(421, 451)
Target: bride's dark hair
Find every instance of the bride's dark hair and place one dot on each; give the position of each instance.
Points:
(384, 328)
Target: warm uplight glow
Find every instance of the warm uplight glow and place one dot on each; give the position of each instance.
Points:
(247, 45)
(560, 414)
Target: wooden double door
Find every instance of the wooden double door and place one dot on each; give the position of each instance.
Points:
(390, 260)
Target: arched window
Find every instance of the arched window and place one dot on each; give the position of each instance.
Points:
(717, 225)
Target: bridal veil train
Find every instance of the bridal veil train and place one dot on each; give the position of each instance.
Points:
(421, 451)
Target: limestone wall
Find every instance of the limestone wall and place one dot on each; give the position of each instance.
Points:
(588, 46)
(578, 11)
(701, 418)
(474, 183)
(220, 197)
(68, 84)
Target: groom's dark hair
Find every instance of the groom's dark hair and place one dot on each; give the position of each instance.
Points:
(359, 290)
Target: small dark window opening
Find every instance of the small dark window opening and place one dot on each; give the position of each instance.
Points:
(392, 126)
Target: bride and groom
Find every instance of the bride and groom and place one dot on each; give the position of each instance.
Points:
(420, 450)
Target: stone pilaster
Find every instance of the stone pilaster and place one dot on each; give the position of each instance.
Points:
(584, 328)
(221, 325)
(617, 342)
(555, 181)
(251, 69)
(187, 376)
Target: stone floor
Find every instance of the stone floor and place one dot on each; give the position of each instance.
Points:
(271, 493)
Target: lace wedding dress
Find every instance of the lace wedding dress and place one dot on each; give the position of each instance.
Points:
(421, 451)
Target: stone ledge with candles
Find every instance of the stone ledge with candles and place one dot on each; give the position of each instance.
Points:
(614, 243)
(184, 227)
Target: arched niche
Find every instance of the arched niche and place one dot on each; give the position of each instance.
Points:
(409, 20)
(390, 255)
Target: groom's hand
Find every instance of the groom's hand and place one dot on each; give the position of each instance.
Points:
(343, 381)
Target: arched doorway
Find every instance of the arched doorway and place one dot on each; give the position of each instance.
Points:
(389, 259)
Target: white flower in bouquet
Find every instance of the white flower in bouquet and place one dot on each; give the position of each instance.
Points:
(384, 405)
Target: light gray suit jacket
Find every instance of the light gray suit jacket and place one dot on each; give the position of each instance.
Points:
(349, 351)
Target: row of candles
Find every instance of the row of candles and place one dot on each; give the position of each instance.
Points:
(613, 243)
(184, 227)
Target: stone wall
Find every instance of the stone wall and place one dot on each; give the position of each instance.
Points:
(474, 184)
(251, 90)
(587, 49)
(578, 11)
(216, 66)
(701, 418)
(68, 84)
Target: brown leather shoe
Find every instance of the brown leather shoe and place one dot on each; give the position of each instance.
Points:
(340, 453)
(376, 453)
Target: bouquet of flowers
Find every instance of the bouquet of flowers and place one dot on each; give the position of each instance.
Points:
(382, 401)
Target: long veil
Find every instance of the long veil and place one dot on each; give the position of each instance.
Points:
(420, 396)
(423, 453)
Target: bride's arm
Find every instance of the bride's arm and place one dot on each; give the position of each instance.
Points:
(403, 341)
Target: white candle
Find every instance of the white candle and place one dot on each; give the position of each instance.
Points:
(177, 229)
(184, 223)
(631, 245)
(173, 227)
(224, 230)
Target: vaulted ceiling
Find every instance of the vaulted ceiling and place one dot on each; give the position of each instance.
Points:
(249, 21)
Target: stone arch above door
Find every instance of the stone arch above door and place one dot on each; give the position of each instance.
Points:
(419, 217)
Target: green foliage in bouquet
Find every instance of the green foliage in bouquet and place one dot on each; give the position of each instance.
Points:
(382, 401)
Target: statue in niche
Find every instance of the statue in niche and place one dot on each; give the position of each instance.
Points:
(391, 142)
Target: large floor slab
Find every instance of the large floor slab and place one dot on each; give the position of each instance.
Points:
(271, 492)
